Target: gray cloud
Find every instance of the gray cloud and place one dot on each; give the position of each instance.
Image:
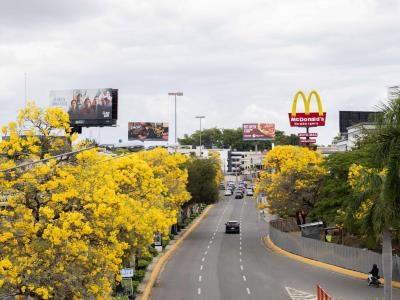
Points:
(236, 61)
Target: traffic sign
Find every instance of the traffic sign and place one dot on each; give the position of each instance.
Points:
(127, 273)
(305, 134)
(309, 141)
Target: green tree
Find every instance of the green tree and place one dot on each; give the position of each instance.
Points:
(383, 187)
(202, 184)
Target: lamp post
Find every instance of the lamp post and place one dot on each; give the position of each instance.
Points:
(175, 94)
(200, 117)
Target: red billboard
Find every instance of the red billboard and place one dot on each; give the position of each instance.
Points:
(313, 119)
(258, 131)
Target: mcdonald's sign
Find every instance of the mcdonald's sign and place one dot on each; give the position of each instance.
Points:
(307, 119)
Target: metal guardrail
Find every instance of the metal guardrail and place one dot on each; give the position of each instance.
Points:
(339, 255)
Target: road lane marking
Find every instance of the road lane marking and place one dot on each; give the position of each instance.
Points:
(244, 278)
(248, 291)
(240, 248)
(240, 242)
(199, 278)
(205, 253)
(210, 242)
(199, 291)
(240, 260)
(240, 253)
(201, 267)
(241, 267)
(203, 259)
(299, 295)
(208, 247)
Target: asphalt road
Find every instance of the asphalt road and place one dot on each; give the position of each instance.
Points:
(213, 265)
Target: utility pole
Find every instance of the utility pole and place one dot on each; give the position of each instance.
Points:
(200, 117)
(175, 94)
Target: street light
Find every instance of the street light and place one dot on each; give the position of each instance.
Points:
(175, 94)
(200, 117)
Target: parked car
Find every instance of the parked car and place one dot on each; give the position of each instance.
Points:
(228, 192)
(232, 226)
(249, 192)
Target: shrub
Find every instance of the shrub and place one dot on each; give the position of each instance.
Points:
(139, 275)
(142, 264)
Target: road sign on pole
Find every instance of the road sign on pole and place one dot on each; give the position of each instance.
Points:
(127, 273)
(305, 134)
(308, 141)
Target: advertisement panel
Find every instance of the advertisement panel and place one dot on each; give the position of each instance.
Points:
(148, 131)
(258, 131)
(307, 119)
(87, 106)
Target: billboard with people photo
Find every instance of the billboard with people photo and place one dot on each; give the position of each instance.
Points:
(85, 104)
(148, 131)
(258, 131)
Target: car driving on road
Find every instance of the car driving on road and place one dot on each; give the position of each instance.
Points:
(232, 226)
(228, 192)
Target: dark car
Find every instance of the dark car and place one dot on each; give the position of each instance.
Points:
(238, 195)
(232, 226)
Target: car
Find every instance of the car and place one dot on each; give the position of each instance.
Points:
(249, 192)
(238, 195)
(228, 192)
(232, 226)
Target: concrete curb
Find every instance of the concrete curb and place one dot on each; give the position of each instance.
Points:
(161, 259)
(268, 243)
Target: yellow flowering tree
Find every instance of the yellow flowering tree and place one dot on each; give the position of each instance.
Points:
(68, 225)
(291, 179)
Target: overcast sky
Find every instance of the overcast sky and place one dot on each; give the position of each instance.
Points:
(235, 61)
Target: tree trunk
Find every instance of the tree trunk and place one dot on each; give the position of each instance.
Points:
(387, 263)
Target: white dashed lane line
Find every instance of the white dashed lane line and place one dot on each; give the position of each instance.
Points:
(199, 278)
(248, 291)
(201, 267)
(241, 267)
(244, 278)
(203, 259)
(199, 291)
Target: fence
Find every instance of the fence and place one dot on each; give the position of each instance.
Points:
(342, 256)
(285, 225)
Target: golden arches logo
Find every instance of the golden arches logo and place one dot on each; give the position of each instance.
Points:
(307, 102)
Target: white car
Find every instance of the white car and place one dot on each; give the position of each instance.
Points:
(228, 192)
(249, 192)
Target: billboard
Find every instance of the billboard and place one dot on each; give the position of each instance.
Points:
(148, 131)
(88, 107)
(350, 118)
(307, 119)
(258, 131)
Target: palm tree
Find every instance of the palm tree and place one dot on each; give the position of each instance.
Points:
(384, 189)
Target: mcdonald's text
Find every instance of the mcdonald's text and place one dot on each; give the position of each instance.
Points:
(312, 119)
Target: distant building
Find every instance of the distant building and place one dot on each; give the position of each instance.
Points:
(354, 134)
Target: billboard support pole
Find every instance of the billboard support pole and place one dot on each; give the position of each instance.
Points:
(175, 94)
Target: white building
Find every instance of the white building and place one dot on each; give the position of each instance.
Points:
(354, 134)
